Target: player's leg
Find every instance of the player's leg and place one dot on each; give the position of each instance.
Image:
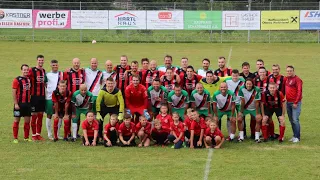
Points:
(195, 141)
(49, 112)
(282, 126)
(217, 140)
(265, 119)
(67, 122)
(39, 109)
(15, 125)
(252, 126)
(26, 113)
(208, 142)
(74, 126)
(34, 116)
(140, 135)
(232, 124)
(146, 142)
(240, 126)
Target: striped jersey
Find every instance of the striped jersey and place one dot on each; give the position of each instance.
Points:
(201, 100)
(52, 80)
(250, 97)
(93, 80)
(234, 87)
(224, 102)
(37, 77)
(157, 97)
(178, 102)
(80, 101)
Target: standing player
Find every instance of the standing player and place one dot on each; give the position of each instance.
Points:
(151, 74)
(37, 76)
(157, 94)
(178, 100)
(189, 80)
(81, 101)
(205, 68)
(120, 73)
(277, 78)
(223, 71)
(273, 101)
(21, 92)
(169, 79)
(133, 72)
(183, 69)
(211, 83)
(262, 80)
(246, 71)
(224, 104)
(136, 98)
(52, 80)
(167, 64)
(74, 76)
(145, 64)
(108, 72)
(201, 100)
(234, 83)
(259, 64)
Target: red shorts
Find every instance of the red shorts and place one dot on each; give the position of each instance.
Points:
(138, 110)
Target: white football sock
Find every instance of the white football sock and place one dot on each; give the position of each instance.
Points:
(231, 136)
(49, 127)
(241, 133)
(74, 130)
(257, 135)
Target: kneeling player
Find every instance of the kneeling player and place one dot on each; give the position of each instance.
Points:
(156, 95)
(197, 130)
(90, 128)
(273, 102)
(159, 134)
(143, 129)
(213, 136)
(177, 131)
(127, 131)
(111, 131)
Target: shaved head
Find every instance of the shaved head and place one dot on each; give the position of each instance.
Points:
(108, 66)
(94, 63)
(83, 89)
(76, 63)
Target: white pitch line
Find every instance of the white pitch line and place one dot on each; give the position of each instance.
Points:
(229, 57)
(208, 164)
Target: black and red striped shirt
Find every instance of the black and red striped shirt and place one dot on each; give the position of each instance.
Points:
(23, 87)
(262, 84)
(223, 73)
(74, 78)
(280, 80)
(120, 76)
(169, 84)
(190, 84)
(272, 101)
(62, 99)
(150, 75)
(37, 79)
(128, 79)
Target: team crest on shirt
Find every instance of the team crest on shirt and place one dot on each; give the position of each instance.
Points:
(76, 81)
(264, 84)
(27, 86)
(40, 79)
(166, 120)
(278, 82)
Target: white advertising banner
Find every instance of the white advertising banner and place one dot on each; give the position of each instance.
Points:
(51, 19)
(15, 18)
(165, 20)
(89, 19)
(310, 19)
(241, 20)
(127, 20)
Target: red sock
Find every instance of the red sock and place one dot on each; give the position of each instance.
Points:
(34, 124)
(282, 129)
(26, 129)
(66, 127)
(253, 127)
(15, 128)
(271, 129)
(55, 127)
(39, 123)
(264, 130)
(78, 126)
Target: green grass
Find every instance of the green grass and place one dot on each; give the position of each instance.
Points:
(61, 160)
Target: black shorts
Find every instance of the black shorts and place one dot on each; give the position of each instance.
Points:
(126, 138)
(25, 110)
(270, 111)
(90, 139)
(104, 110)
(38, 104)
(61, 112)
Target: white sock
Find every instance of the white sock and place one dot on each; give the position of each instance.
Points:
(257, 135)
(231, 136)
(74, 130)
(49, 127)
(241, 133)
(59, 126)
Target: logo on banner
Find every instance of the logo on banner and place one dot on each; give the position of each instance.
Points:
(51, 19)
(126, 19)
(312, 14)
(232, 20)
(2, 14)
(15, 18)
(165, 15)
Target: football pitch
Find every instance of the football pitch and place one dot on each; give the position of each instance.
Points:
(247, 160)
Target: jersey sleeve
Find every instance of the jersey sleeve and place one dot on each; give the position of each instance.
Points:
(199, 77)
(233, 99)
(207, 132)
(96, 125)
(127, 96)
(99, 99)
(186, 95)
(84, 125)
(240, 94)
(214, 98)
(120, 128)
(54, 98)
(149, 89)
(165, 95)
(258, 94)
(121, 102)
(106, 128)
(192, 126)
(73, 98)
(15, 84)
(30, 73)
(282, 99)
(170, 96)
(192, 96)
(209, 96)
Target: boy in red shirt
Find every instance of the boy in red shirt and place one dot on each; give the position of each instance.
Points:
(187, 123)
(111, 131)
(90, 128)
(164, 117)
(177, 132)
(143, 129)
(159, 134)
(213, 136)
(127, 131)
(196, 130)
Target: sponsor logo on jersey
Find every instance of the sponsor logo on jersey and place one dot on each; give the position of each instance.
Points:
(27, 86)
(40, 79)
(76, 81)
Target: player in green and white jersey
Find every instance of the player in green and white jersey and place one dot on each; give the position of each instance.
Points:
(178, 100)
(82, 101)
(156, 95)
(224, 104)
(52, 79)
(250, 104)
(205, 68)
(234, 83)
(201, 100)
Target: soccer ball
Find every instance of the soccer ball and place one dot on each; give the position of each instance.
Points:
(94, 41)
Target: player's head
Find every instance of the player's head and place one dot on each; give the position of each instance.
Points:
(168, 61)
(54, 65)
(157, 124)
(110, 83)
(223, 87)
(290, 71)
(153, 65)
(143, 120)
(145, 63)
(127, 119)
(83, 89)
(40, 60)
(209, 76)
(195, 115)
(235, 75)
(123, 60)
(169, 73)
(262, 72)
(222, 62)
(134, 66)
(184, 62)
(208, 119)
(189, 112)
(177, 89)
(175, 116)
(249, 84)
(190, 72)
(156, 84)
(94, 63)
(259, 64)
(205, 63)
(245, 67)
(113, 119)
(276, 69)
(135, 80)
(272, 87)
(90, 116)
(75, 63)
(24, 69)
(164, 108)
(199, 88)
(62, 86)
(108, 66)
(213, 125)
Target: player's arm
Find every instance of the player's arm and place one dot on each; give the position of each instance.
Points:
(132, 137)
(121, 138)
(121, 105)
(187, 101)
(106, 137)
(55, 105)
(15, 85)
(201, 137)
(73, 104)
(98, 100)
(85, 136)
(95, 135)
(209, 103)
(191, 138)
(299, 90)
(127, 96)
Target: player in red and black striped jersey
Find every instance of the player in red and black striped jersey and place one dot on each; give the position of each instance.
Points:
(223, 71)
(182, 71)
(133, 72)
(169, 79)
(277, 78)
(259, 64)
(21, 92)
(262, 80)
(273, 101)
(151, 74)
(120, 73)
(38, 101)
(189, 80)
(74, 76)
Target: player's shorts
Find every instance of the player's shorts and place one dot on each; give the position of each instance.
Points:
(78, 114)
(180, 112)
(104, 110)
(61, 112)
(94, 99)
(138, 110)
(38, 104)
(270, 111)
(24, 111)
(155, 110)
(49, 107)
(251, 112)
(204, 112)
(237, 107)
(222, 113)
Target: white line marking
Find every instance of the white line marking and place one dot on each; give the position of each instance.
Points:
(208, 164)
(229, 57)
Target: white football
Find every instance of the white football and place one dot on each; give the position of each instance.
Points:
(94, 41)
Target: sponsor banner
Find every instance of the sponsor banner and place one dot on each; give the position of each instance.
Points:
(88, 19)
(51, 19)
(127, 20)
(310, 19)
(241, 20)
(202, 20)
(164, 19)
(279, 20)
(15, 18)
